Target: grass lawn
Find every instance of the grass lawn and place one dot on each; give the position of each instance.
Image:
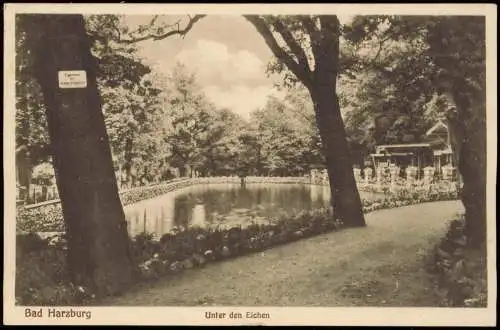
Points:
(381, 265)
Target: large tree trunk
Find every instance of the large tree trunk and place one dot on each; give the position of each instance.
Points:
(98, 243)
(472, 167)
(468, 135)
(321, 84)
(346, 201)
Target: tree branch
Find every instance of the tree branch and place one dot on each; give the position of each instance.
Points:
(155, 37)
(329, 25)
(312, 30)
(308, 23)
(279, 52)
(380, 45)
(296, 49)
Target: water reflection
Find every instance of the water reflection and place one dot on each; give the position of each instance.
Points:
(223, 205)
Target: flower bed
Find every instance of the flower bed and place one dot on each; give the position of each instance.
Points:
(406, 196)
(196, 246)
(461, 271)
(40, 271)
(401, 185)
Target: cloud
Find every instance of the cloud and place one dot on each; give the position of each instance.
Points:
(241, 99)
(214, 63)
(345, 18)
(232, 78)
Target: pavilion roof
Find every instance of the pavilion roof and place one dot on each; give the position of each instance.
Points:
(406, 145)
(438, 125)
(392, 154)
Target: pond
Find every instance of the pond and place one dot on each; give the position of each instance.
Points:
(224, 204)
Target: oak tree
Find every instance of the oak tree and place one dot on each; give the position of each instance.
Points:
(98, 243)
(309, 47)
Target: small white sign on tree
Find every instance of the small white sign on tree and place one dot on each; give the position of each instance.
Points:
(72, 79)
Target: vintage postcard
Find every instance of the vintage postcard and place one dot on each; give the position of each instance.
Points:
(250, 164)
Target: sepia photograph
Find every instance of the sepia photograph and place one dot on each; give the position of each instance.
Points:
(219, 165)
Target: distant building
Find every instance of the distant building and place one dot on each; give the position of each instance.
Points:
(435, 150)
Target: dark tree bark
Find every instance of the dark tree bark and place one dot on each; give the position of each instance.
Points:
(459, 42)
(467, 124)
(98, 244)
(346, 201)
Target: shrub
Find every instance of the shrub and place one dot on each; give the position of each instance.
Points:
(191, 243)
(461, 271)
(41, 273)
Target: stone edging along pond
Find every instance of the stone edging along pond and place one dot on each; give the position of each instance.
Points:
(182, 249)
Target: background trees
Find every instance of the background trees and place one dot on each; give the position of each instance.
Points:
(32, 140)
(187, 116)
(386, 86)
(287, 135)
(131, 116)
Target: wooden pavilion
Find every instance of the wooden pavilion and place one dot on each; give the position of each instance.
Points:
(434, 151)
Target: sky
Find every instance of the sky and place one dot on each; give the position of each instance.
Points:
(227, 54)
